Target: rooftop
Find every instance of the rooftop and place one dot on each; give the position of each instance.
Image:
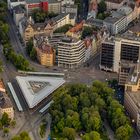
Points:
(18, 9)
(2, 87)
(136, 28)
(60, 16)
(35, 88)
(130, 36)
(77, 27)
(45, 48)
(115, 1)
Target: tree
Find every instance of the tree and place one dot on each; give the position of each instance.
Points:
(42, 130)
(93, 135)
(13, 123)
(33, 54)
(63, 29)
(23, 136)
(102, 6)
(39, 15)
(29, 46)
(87, 31)
(100, 16)
(69, 133)
(16, 138)
(5, 120)
(1, 66)
(5, 131)
(1, 126)
(73, 120)
(124, 132)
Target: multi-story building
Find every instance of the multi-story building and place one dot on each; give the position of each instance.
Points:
(125, 47)
(28, 28)
(12, 3)
(132, 97)
(120, 19)
(76, 31)
(45, 52)
(60, 20)
(18, 14)
(6, 106)
(91, 48)
(46, 5)
(31, 5)
(72, 9)
(71, 52)
(107, 55)
(45, 55)
(69, 2)
(114, 4)
(5, 102)
(54, 6)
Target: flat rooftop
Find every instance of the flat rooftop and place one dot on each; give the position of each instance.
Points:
(37, 88)
(115, 1)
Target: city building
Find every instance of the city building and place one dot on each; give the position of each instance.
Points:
(91, 47)
(12, 3)
(75, 31)
(6, 106)
(60, 20)
(132, 97)
(71, 52)
(37, 88)
(120, 19)
(114, 4)
(18, 13)
(31, 5)
(93, 9)
(5, 102)
(69, 2)
(71, 9)
(46, 5)
(125, 47)
(54, 6)
(125, 70)
(107, 55)
(45, 53)
(28, 28)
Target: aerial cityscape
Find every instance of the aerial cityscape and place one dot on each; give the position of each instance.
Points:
(69, 69)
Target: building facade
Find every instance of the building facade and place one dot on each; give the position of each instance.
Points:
(45, 52)
(28, 28)
(125, 47)
(119, 20)
(45, 55)
(18, 14)
(114, 4)
(5, 102)
(71, 52)
(132, 98)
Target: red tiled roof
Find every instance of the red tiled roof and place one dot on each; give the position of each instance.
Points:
(77, 27)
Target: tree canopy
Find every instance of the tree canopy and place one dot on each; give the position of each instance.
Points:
(79, 108)
(40, 15)
(22, 136)
(63, 29)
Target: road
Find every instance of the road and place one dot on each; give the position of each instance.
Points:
(81, 75)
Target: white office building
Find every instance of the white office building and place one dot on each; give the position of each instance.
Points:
(71, 52)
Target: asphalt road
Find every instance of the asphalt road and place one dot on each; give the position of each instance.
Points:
(81, 75)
